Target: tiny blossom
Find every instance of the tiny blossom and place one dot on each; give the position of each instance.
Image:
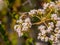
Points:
(51, 24)
(32, 12)
(55, 40)
(27, 20)
(17, 28)
(38, 37)
(58, 24)
(50, 31)
(20, 34)
(58, 18)
(23, 25)
(45, 5)
(54, 16)
(42, 11)
(43, 32)
(39, 34)
(56, 29)
(52, 4)
(20, 21)
(42, 38)
(49, 28)
(41, 27)
(51, 37)
(46, 39)
(59, 31)
(57, 35)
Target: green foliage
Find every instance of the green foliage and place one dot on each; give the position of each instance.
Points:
(50, 42)
(4, 36)
(35, 19)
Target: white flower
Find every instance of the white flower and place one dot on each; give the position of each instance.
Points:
(25, 28)
(39, 34)
(51, 24)
(57, 35)
(54, 16)
(43, 32)
(17, 28)
(49, 29)
(20, 21)
(46, 39)
(42, 11)
(45, 5)
(20, 33)
(58, 24)
(41, 27)
(38, 37)
(42, 38)
(55, 40)
(58, 18)
(51, 38)
(59, 31)
(27, 20)
(52, 4)
(24, 24)
(56, 29)
(32, 12)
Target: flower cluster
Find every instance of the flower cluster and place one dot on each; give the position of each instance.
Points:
(22, 26)
(52, 32)
(49, 22)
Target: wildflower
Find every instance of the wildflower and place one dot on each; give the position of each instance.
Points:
(32, 12)
(43, 32)
(20, 34)
(45, 5)
(39, 34)
(57, 35)
(17, 28)
(54, 16)
(25, 27)
(49, 29)
(51, 37)
(27, 20)
(42, 38)
(20, 21)
(42, 11)
(52, 4)
(41, 27)
(58, 18)
(51, 24)
(56, 29)
(46, 39)
(58, 24)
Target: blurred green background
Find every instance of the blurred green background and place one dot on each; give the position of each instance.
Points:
(9, 12)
